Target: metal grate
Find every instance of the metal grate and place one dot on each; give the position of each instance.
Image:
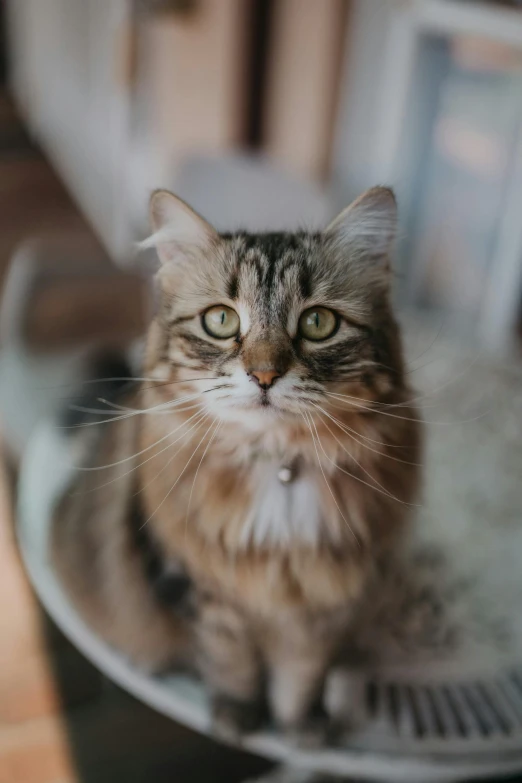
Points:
(446, 717)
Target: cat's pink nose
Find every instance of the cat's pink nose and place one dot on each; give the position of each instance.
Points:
(265, 378)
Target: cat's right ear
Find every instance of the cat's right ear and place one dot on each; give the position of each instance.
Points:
(365, 230)
(177, 228)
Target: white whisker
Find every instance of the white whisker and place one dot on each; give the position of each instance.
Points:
(167, 406)
(354, 435)
(194, 429)
(305, 417)
(130, 379)
(418, 398)
(425, 351)
(370, 410)
(377, 486)
(365, 408)
(218, 425)
(163, 406)
(143, 451)
(144, 462)
(178, 478)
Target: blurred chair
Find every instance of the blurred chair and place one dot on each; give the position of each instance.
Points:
(247, 191)
(61, 298)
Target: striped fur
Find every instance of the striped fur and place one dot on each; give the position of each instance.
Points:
(277, 571)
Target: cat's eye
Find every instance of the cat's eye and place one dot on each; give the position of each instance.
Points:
(221, 322)
(318, 323)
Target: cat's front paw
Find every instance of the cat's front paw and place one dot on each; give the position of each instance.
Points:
(231, 718)
(312, 732)
(345, 700)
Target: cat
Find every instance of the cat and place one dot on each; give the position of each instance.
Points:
(240, 499)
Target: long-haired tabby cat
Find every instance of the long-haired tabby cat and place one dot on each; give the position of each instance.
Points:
(237, 504)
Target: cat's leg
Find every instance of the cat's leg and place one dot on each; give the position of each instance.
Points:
(300, 654)
(231, 667)
(345, 698)
(295, 695)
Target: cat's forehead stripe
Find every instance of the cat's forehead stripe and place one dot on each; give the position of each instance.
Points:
(268, 261)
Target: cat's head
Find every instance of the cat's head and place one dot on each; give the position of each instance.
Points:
(271, 323)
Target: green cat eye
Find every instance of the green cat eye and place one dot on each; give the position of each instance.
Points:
(221, 322)
(318, 323)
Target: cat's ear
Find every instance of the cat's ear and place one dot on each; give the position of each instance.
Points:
(177, 228)
(366, 229)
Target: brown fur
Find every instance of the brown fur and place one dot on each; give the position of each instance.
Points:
(98, 561)
(268, 610)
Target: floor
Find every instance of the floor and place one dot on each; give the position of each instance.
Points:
(60, 720)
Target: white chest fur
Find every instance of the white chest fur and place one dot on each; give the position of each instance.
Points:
(286, 508)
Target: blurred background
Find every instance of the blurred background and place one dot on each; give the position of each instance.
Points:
(272, 112)
(263, 114)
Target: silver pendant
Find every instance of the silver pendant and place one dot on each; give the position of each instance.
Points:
(287, 473)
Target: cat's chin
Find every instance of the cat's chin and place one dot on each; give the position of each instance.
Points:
(255, 415)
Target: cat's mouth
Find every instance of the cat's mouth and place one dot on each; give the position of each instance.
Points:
(272, 404)
(265, 402)
(262, 402)
(240, 399)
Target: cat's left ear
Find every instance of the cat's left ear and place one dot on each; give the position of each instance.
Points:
(366, 229)
(177, 228)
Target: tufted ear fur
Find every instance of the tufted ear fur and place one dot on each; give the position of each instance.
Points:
(177, 228)
(366, 229)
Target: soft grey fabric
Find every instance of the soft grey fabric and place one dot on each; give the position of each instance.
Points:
(452, 606)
